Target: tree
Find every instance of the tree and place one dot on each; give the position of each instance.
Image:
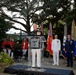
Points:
(4, 26)
(25, 8)
(55, 10)
(50, 10)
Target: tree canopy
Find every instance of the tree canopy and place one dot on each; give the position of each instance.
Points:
(4, 26)
(40, 11)
(22, 9)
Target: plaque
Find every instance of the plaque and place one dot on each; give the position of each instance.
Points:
(35, 42)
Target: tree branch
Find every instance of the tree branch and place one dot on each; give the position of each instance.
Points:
(18, 29)
(25, 26)
(20, 18)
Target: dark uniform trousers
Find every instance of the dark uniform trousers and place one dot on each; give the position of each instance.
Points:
(69, 47)
(69, 59)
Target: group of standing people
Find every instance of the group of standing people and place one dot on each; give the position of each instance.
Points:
(56, 47)
(8, 47)
(68, 48)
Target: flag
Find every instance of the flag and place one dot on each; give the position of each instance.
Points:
(73, 30)
(73, 35)
(49, 40)
(64, 40)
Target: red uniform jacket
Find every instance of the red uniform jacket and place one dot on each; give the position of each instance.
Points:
(24, 45)
(4, 43)
(11, 43)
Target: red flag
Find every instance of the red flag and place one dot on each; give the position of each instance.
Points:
(49, 40)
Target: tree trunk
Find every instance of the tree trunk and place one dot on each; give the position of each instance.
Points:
(28, 24)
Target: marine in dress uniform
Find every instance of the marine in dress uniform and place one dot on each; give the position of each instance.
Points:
(69, 49)
(10, 47)
(56, 47)
(11, 43)
(36, 51)
(24, 46)
(4, 43)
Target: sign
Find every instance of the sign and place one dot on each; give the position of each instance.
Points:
(35, 42)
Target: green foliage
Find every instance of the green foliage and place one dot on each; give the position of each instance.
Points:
(45, 31)
(25, 8)
(4, 58)
(56, 10)
(51, 10)
(4, 27)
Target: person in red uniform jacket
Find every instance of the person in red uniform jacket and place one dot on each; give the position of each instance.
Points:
(11, 43)
(24, 46)
(4, 43)
(10, 47)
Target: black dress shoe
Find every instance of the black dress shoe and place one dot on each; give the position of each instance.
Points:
(71, 66)
(67, 66)
(33, 67)
(38, 68)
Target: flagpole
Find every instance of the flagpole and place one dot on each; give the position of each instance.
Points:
(49, 41)
(73, 35)
(64, 40)
(73, 30)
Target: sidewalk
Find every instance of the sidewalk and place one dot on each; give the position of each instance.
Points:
(47, 63)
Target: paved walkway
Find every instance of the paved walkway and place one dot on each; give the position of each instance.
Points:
(47, 62)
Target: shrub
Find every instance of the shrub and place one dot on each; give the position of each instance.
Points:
(4, 58)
